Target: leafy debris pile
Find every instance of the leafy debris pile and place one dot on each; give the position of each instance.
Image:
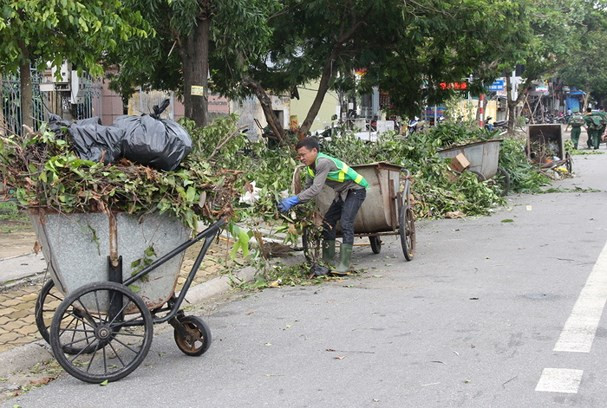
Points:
(42, 170)
(436, 188)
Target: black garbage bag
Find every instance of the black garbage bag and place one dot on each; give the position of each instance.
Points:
(91, 140)
(149, 140)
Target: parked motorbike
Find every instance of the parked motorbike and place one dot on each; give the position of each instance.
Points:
(413, 125)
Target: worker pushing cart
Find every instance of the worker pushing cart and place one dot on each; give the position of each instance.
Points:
(350, 192)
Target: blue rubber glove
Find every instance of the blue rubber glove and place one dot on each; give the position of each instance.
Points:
(287, 203)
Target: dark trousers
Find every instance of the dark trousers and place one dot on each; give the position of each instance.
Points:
(344, 212)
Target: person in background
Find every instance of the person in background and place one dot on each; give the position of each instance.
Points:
(576, 121)
(595, 126)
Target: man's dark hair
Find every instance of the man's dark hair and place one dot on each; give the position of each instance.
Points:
(309, 143)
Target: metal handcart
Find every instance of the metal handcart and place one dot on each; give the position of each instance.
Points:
(546, 147)
(387, 209)
(484, 159)
(111, 290)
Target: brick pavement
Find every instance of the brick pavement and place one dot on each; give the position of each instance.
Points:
(17, 304)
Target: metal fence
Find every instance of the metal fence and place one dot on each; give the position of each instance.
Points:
(45, 103)
(11, 103)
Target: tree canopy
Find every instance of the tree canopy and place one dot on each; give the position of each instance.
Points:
(39, 32)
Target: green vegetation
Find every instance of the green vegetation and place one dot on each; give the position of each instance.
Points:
(9, 211)
(44, 171)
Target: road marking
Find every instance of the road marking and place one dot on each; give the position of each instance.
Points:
(579, 331)
(563, 380)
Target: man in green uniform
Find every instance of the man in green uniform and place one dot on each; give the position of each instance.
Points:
(603, 115)
(350, 192)
(575, 121)
(594, 126)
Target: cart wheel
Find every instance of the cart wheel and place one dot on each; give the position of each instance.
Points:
(375, 244)
(569, 163)
(46, 304)
(112, 344)
(505, 180)
(198, 338)
(478, 175)
(406, 230)
(311, 245)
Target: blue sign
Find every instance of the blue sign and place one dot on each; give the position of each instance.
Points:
(498, 85)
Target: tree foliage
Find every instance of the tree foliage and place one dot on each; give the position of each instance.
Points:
(39, 32)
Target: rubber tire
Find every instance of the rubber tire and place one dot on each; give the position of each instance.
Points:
(506, 178)
(196, 323)
(75, 295)
(39, 316)
(569, 163)
(38, 310)
(478, 175)
(406, 228)
(375, 244)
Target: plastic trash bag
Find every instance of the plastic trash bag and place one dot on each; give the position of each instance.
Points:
(91, 140)
(149, 140)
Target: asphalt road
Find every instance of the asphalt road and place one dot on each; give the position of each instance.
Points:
(473, 321)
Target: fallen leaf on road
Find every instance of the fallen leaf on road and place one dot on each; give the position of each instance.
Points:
(473, 298)
(438, 361)
(454, 214)
(268, 344)
(41, 381)
(529, 208)
(330, 350)
(507, 220)
(37, 247)
(104, 383)
(377, 276)
(339, 357)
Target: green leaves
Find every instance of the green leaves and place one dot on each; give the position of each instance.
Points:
(58, 30)
(44, 171)
(242, 240)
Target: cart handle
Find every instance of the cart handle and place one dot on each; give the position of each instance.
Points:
(407, 183)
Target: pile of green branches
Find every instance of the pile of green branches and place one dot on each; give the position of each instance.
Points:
(42, 170)
(437, 189)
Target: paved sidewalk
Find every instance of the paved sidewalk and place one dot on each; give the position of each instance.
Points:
(18, 299)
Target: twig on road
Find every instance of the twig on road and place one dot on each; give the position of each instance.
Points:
(504, 384)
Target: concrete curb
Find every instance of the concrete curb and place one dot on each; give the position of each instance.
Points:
(24, 357)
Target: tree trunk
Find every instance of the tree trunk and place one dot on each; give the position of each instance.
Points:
(196, 71)
(511, 105)
(328, 73)
(586, 97)
(2, 122)
(266, 105)
(26, 95)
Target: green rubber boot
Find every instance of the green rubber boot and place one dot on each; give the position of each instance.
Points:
(344, 264)
(328, 251)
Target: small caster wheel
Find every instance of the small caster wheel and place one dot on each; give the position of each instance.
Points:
(375, 244)
(197, 339)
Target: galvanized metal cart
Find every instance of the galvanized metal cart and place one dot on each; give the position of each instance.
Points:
(544, 142)
(484, 159)
(115, 275)
(386, 210)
